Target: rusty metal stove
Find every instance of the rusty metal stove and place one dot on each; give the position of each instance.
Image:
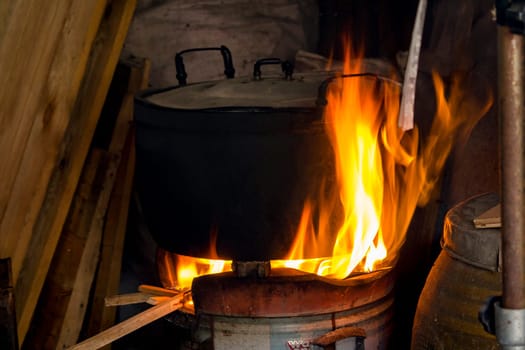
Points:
(254, 307)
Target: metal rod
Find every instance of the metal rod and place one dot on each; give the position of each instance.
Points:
(511, 111)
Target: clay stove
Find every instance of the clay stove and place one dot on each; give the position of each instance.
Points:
(256, 307)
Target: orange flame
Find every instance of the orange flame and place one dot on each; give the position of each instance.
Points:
(178, 271)
(382, 174)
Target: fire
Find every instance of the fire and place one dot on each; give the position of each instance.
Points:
(382, 174)
(178, 271)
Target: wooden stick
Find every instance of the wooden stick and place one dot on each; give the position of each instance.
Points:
(154, 290)
(134, 298)
(126, 299)
(132, 324)
(156, 299)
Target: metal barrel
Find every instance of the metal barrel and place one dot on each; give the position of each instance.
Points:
(466, 273)
(262, 333)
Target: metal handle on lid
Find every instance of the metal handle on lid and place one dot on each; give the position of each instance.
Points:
(229, 71)
(286, 66)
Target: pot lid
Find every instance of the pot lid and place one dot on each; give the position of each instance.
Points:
(275, 91)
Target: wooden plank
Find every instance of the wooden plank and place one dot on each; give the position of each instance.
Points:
(62, 305)
(59, 285)
(43, 70)
(131, 324)
(139, 75)
(490, 218)
(85, 273)
(75, 145)
(108, 274)
(138, 80)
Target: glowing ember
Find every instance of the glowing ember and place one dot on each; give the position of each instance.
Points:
(382, 174)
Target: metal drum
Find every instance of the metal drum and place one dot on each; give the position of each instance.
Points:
(294, 310)
(466, 273)
(297, 332)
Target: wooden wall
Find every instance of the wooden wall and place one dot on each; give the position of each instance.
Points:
(57, 59)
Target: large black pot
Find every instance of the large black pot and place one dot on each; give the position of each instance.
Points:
(238, 157)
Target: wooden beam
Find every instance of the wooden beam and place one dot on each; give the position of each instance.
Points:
(75, 145)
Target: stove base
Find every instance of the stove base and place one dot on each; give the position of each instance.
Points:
(298, 332)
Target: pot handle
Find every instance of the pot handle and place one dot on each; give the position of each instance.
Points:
(328, 340)
(321, 94)
(286, 66)
(229, 71)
